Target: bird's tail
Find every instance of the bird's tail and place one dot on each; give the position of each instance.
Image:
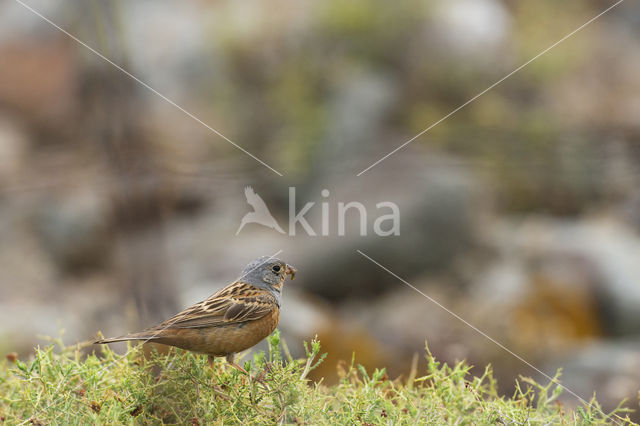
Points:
(128, 337)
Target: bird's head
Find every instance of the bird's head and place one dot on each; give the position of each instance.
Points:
(268, 272)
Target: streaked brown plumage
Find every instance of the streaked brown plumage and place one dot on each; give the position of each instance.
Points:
(229, 321)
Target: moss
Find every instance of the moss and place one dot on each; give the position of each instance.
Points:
(63, 387)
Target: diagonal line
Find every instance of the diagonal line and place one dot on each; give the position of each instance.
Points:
(490, 87)
(431, 299)
(77, 40)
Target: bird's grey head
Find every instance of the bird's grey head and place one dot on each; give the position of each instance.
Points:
(268, 273)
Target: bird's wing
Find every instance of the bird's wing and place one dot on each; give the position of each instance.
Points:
(255, 200)
(236, 303)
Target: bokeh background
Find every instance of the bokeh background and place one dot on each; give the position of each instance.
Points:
(521, 212)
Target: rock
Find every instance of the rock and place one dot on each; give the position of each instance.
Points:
(631, 211)
(438, 209)
(74, 231)
(357, 109)
(45, 98)
(609, 250)
(472, 28)
(17, 23)
(555, 272)
(13, 150)
(610, 369)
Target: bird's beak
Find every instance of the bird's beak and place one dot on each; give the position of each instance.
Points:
(291, 271)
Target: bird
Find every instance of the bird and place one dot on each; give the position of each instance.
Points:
(260, 214)
(229, 321)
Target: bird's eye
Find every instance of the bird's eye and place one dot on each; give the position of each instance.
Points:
(276, 268)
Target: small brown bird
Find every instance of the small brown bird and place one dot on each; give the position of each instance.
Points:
(229, 321)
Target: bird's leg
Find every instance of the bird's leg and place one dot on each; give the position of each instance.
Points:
(231, 362)
(215, 388)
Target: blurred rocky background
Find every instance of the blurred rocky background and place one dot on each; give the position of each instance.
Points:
(521, 212)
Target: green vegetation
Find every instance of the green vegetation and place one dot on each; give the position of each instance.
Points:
(180, 387)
